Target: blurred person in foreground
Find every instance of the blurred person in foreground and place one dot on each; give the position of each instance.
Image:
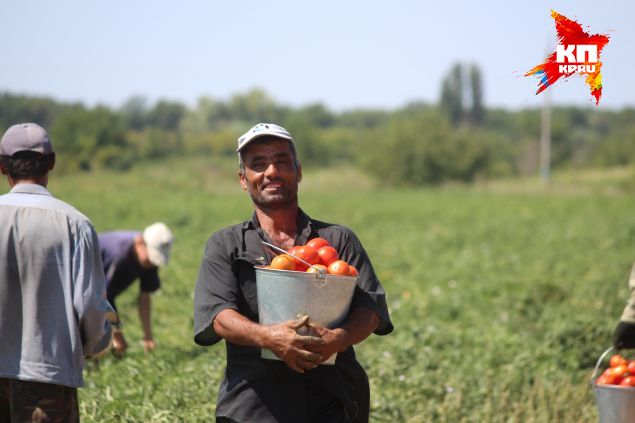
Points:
(52, 290)
(295, 389)
(128, 256)
(624, 334)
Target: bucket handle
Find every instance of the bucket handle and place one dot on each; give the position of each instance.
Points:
(281, 251)
(597, 365)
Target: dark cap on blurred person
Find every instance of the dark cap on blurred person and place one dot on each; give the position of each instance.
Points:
(25, 137)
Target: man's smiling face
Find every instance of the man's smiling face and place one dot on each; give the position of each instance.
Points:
(270, 174)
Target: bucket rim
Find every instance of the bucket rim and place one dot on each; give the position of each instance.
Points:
(299, 272)
(618, 387)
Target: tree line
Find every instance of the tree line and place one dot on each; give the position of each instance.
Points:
(419, 143)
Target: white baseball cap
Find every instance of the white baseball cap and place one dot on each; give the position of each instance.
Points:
(261, 130)
(158, 239)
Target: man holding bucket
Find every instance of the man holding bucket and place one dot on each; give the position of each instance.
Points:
(295, 388)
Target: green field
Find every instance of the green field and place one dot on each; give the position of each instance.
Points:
(502, 299)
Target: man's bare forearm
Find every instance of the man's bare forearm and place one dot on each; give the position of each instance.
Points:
(359, 325)
(145, 314)
(237, 329)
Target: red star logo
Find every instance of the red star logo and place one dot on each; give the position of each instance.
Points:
(577, 52)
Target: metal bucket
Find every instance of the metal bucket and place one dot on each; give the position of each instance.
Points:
(283, 294)
(616, 404)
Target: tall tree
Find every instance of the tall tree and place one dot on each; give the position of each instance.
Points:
(477, 111)
(167, 115)
(452, 94)
(135, 112)
(92, 137)
(253, 106)
(462, 95)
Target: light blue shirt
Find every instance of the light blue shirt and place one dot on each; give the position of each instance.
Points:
(52, 289)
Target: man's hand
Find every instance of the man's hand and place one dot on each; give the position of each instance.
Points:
(359, 324)
(148, 344)
(145, 306)
(334, 341)
(293, 348)
(119, 343)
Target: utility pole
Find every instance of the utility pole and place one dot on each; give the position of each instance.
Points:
(545, 132)
(545, 138)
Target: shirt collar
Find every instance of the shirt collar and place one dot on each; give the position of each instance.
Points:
(303, 229)
(29, 188)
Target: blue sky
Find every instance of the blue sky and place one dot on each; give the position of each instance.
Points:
(370, 54)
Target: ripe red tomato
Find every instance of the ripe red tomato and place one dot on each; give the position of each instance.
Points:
(602, 380)
(338, 267)
(328, 254)
(352, 271)
(628, 381)
(283, 262)
(607, 377)
(308, 254)
(298, 264)
(316, 268)
(618, 360)
(317, 243)
(619, 373)
(631, 367)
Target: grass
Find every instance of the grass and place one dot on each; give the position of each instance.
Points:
(502, 298)
(604, 182)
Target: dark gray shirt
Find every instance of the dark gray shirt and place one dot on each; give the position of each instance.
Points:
(257, 389)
